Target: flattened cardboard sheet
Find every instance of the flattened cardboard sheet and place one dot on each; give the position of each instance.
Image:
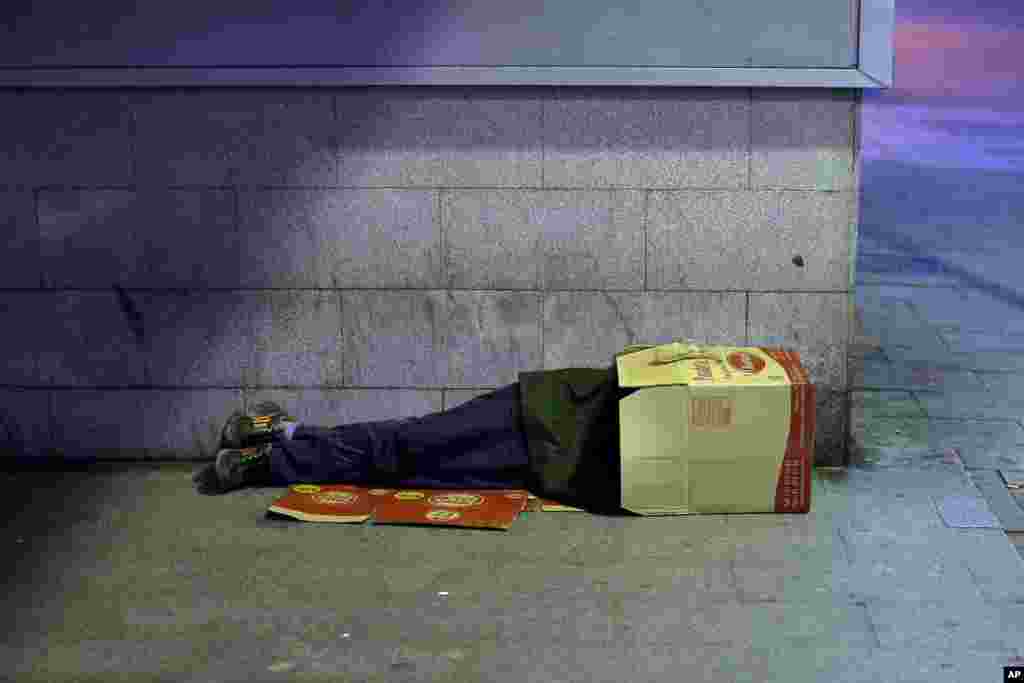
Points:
(485, 509)
(339, 503)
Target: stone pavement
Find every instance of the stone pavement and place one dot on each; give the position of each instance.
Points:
(939, 372)
(125, 574)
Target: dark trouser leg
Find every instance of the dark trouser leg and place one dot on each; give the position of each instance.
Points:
(479, 444)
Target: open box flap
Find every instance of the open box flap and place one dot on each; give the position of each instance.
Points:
(661, 365)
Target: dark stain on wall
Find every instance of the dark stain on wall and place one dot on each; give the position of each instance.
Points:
(132, 314)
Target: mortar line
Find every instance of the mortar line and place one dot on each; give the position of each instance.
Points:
(750, 139)
(532, 290)
(51, 428)
(876, 639)
(445, 281)
(133, 147)
(234, 387)
(237, 220)
(439, 203)
(647, 204)
(334, 138)
(36, 191)
(746, 317)
(542, 301)
(78, 187)
(543, 139)
(341, 322)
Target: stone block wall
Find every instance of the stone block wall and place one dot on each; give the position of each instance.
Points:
(367, 253)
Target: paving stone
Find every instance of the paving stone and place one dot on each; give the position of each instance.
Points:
(875, 404)
(804, 575)
(931, 353)
(888, 316)
(748, 240)
(96, 338)
(574, 240)
(88, 236)
(332, 407)
(980, 404)
(492, 337)
(67, 137)
(920, 376)
(197, 338)
(994, 566)
(926, 665)
(925, 342)
(496, 138)
(586, 329)
(994, 488)
(1018, 539)
(433, 339)
(296, 338)
(978, 444)
(142, 424)
(986, 362)
(598, 138)
(557, 597)
(966, 512)
(801, 140)
(92, 238)
(25, 422)
(372, 238)
(436, 137)
(1007, 387)
(868, 278)
(963, 310)
(20, 262)
(21, 311)
(880, 266)
(260, 137)
(954, 626)
(975, 339)
(795, 321)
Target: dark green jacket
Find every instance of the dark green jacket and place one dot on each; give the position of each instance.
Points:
(570, 417)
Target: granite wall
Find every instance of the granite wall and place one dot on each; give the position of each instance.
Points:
(367, 253)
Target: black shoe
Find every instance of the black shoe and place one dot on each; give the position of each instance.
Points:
(235, 468)
(266, 420)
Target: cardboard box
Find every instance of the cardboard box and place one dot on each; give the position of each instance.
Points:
(715, 429)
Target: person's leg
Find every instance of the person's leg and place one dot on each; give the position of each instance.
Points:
(479, 444)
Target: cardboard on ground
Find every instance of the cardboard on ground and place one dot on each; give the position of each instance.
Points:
(340, 503)
(535, 504)
(710, 427)
(478, 508)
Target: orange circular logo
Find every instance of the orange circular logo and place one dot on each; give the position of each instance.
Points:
(336, 497)
(746, 363)
(456, 500)
(442, 515)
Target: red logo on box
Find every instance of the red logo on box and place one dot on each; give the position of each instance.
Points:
(746, 362)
